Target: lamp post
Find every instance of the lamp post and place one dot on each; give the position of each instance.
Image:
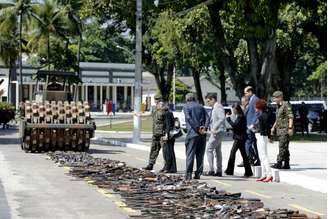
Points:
(138, 75)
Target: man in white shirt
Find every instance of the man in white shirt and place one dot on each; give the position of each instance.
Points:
(217, 129)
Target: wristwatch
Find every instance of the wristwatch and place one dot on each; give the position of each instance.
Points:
(290, 127)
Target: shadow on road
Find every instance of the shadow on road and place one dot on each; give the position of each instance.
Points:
(105, 151)
(7, 141)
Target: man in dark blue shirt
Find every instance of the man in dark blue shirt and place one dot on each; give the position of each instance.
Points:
(196, 122)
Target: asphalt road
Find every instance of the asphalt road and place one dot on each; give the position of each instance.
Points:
(33, 187)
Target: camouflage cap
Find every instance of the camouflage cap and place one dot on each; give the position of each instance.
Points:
(277, 93)
(158, 97)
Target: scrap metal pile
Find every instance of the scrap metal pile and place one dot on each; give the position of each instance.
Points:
(165, 196)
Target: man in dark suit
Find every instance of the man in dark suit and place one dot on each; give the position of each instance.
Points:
(196, 122)
(251, 117)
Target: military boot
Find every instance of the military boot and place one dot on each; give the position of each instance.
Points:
(277, 165)
(286, 165)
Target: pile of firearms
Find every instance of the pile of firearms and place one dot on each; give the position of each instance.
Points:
(164, 196)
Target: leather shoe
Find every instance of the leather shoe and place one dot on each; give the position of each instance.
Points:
(277, 165)
(248, 174)
(286, 165)
(197, 177)
(218, 174)
(188, 176)
(209, 173)
(228, 173)
(148, 167)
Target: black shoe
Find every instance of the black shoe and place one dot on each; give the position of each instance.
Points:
(240, 165)
(248, 174)
(277, 165)
(286, 165)
(209, 173)
(188, 176)
(257, 163)
(162, 170)
(228, 173)
(148, 167)
(218, 174)
(197, 176)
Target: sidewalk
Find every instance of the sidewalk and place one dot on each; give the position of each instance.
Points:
(308, 160)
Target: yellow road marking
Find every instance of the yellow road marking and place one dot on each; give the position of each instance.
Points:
(305, 209)
(258, 194)
(90, 181)
(67, 169)
(223, 183)
(105, 193)
(120, 204)
(130, 210)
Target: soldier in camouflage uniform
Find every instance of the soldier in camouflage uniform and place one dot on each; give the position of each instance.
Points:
(283, 127)
(158, 133)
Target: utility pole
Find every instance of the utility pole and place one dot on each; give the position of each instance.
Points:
(138, 75)
(173, 88)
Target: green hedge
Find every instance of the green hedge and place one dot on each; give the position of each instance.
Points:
(7, 113)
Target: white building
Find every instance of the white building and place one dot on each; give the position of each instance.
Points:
(101, 81)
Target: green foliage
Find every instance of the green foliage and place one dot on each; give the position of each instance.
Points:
(102, 44)
(4, 106)
(320, 72)
(181, 90)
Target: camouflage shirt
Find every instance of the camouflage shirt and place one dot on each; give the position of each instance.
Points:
(283, 114)
(158, 122)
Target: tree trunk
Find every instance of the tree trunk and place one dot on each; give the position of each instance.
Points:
(164, 84)
(269, 66)
(254, 63)
(48, 52)
(224, 56)
(20, 95)
(223, 87)
(9, 84)
(196, 77)
(251, 46)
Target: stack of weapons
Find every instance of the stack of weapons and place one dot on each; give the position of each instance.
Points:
(165, 196)
(46, 122)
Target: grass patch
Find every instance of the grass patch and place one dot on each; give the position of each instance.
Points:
(146, 125)
(311, 137)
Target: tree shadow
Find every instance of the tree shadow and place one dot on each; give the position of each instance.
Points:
(105, 151)
(9, 131)
(9, 141)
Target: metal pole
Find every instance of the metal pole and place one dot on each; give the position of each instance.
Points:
(173, 88)
(138, 75)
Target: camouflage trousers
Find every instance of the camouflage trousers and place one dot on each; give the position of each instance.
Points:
(283, 148)
(155, 148)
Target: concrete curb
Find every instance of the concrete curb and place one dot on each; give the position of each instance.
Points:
(288, 177)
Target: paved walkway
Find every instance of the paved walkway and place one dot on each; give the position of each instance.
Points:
(308, 160)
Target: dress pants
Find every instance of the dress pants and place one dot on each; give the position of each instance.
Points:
(251, 148)
(238, 144)
(195, 146)
(214, 147)
(262, 147)
(169, 156)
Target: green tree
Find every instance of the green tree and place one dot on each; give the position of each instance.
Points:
(12, 20)
(51, 21)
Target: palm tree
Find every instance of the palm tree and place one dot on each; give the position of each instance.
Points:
(12, 16)
(50, 21)
(76, 26)
(8, 55)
